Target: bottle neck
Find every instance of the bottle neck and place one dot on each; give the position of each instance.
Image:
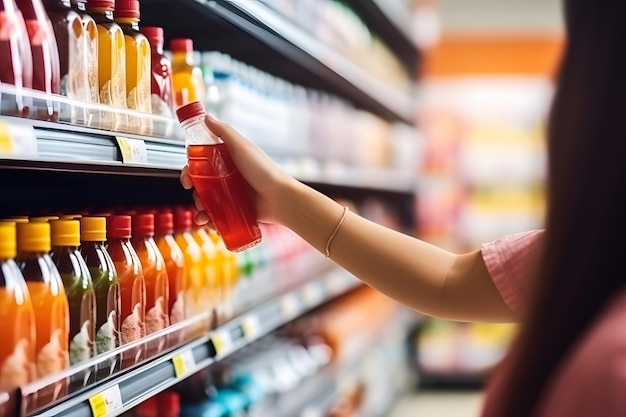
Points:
(57, 4)
(101, 14)
(80, 5)
(183, 56)
(128, 23)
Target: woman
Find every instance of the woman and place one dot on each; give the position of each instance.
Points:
(564, 285)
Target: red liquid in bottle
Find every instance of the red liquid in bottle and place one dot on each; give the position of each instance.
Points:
(222, 190)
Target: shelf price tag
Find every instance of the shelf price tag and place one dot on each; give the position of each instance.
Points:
(106, 402)
(132, 150)
(251, 327)
(222, 342)
(184, 363)
(17, 140)
(289, 306)
(313, 294)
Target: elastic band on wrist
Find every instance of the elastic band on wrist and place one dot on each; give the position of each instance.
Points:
(334, 233)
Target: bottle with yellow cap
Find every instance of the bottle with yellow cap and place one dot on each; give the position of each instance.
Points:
(49, 301)
(65, 238)
(106, 286)
(17, 317)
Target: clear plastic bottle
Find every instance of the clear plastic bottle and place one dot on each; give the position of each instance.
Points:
(17, 317)
(187, 76)
(16, 56)
(132, 285)
(162, 88)
(211, 293)
(138, 65)
(155, 275)
(219, 184)
(106, 287)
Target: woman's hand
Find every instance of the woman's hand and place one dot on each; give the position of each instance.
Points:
(266, 179)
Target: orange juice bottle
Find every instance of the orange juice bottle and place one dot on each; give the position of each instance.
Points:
(138, 64)
(186, 75)
(228, 273)
(155, 275)
(132, 285)
(174, 263)
(48, 297)
(78, 288)
(211, 288)
(194, 267)
(106, 287)
(17, 317)
(111, 62)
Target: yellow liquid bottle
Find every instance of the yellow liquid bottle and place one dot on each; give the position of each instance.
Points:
(111, 63)
(186, 76)
(212, 288)
(228, 267)
(138, 65)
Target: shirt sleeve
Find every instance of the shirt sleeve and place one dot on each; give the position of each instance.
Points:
(510, 260)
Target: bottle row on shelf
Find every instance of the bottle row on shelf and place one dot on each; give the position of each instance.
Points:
(113, 288)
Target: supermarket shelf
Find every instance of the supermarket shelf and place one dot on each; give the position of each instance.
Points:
(256, 34)
(125, 391)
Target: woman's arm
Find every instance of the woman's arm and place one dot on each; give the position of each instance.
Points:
(424, 277)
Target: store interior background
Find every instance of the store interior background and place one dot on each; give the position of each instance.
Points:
(484, 92)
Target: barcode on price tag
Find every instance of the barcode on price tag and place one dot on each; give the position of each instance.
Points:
(251, 327)
(184, 363)
(222, 342)
(132, 150)
(106, 402)
(289, 306)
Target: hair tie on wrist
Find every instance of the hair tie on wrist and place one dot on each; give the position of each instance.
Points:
(332, 235)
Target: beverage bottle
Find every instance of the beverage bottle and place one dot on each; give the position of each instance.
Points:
(187, 77)
(91, 49)
(211, 287)
(16, 58)
(49, 301)
(219, 184)
(174, 263)
(106, 287)
(155, 275)
(132, 286)
(65, 237)
(228, 274)
(194, 268)
(17, 317)
(138, 64)
(111, 63)
(161, 86)
(45, 55)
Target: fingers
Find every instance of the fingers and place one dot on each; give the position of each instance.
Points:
(185, 179)
(222, 130)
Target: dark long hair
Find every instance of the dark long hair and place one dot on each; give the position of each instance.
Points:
(585, 242)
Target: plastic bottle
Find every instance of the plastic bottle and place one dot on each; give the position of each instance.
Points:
(211, 293)
(161, 83)
(111, 63)
(219, 184)
(194, 268)
(91, 49)
(155, 275)
(45, 54)
(187, 77)
(106, 287)
(16, 56)
(228, 274)
(17, 317)
(132, 285)
(49, 301)
(174, 263)
(65, 237)
(138, 64)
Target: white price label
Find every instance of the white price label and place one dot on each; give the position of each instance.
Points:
(106, 402)
(132, 150)
(290, 306)
(184, 363)
(251, 327)
(313, 294)
(17, 140)
(222, 342)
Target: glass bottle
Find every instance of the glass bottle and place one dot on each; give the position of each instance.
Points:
(186, 75)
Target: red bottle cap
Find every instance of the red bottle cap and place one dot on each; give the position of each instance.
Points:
(119, 226)
(154, 34)
(181, 45)
(169, 403)
(143, 224)
(164, 223)
(127, 9)
(183, 219)
(190, 110)
(101, 4)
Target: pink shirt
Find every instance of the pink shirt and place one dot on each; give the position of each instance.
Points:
(591, 381)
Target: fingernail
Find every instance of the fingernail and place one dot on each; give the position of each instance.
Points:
(211, 117)
(202, 218)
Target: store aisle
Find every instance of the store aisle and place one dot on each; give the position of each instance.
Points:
(439, 404)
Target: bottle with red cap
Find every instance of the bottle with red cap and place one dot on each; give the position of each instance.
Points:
(138, 64)
(156, 278)
(111, 63)
(162, 88)
(132, 285)
(45, 55)
(186, 74)
(218, 182)
(175, 265)
(16, 58)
